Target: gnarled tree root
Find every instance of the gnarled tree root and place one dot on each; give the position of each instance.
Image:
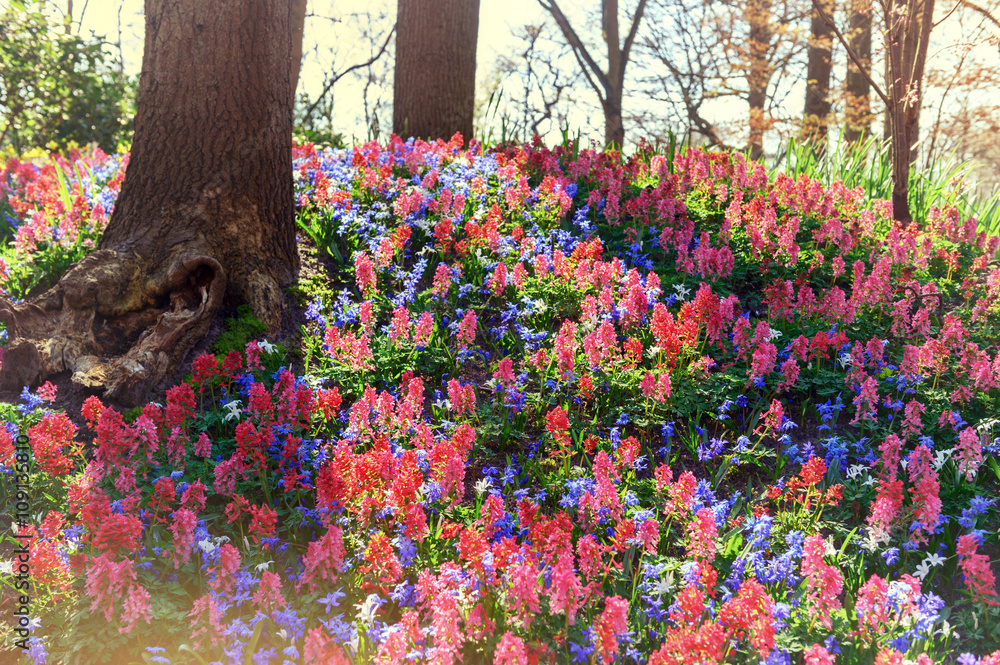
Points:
(115, 321)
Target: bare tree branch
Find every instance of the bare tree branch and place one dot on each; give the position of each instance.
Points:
(982, 10)
(361, 65)
(636, 19)
(575, 42)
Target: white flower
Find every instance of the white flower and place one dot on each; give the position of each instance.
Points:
(923, 569)
(681, 291)
(264, 566)
(233, 409)
(266, 345)
(844, 359)
(662, 587)
(206, 545)
(483, 485)
(774, 334)
(367, 609)
(652, 351)
(934, 559)
(940, 457)
(6, 567)
(855, 471)
(355, 640)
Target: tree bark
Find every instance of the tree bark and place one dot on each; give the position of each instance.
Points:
(435, 74)
(297, 24)
(920, 32)
(759, 17)
(205, 211)
(815, 116)
(857, 112)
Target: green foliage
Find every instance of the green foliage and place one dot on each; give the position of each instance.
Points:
(240, 329)
(58, 87)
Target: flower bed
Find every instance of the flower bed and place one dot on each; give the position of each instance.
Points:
(550, 406)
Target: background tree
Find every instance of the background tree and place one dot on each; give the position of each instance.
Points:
(205, 211)
(57, 86)
(679, 57)
(857, 94)
(434, 83)
(542, 89)
(608, 82)
(815, 116)
(907, 29)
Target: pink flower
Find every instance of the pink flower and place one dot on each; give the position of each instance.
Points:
(505, 371)
(924, 491)
(866, 401)
(203, 446)
(823, 581)
(442, 281)
(818, 655)
(323, 559)
(612, 623)
(182, 529)
(510, 651)
(107, 581)
(763, 360)
(364, 272)
(136, 607)
(523, 592)
(566, 594)
(424, 328)
(702, 532)
(467, 329)
(499, 281)
(789, 374)
(205, 621)
(648, 385)
(268, 596)
(976, 570)
(399, 328)
(968, 453)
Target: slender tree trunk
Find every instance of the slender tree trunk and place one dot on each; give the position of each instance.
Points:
(435, 74)
(896, 42)
(205, 211)
(614, 128)
(759, 17)
(815, 116)
(857, 112)
(920, 28)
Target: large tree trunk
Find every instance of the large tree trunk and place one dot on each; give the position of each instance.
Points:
(759, 72)
(857, 111)
(435, 75)
(815, 117)
(205, 210)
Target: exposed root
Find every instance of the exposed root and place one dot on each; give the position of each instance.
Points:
(115, 322)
